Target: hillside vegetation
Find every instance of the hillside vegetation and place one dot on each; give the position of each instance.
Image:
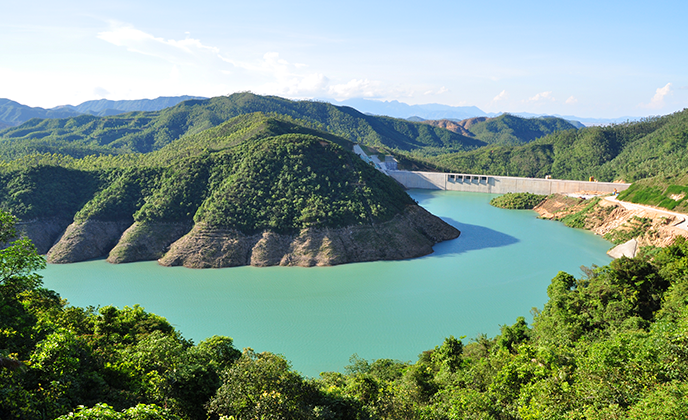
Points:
(506, 129)
(669, 192)
(628, 152)
(509, 129)
(518, 201)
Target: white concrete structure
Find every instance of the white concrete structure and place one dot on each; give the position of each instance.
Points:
(498, 184)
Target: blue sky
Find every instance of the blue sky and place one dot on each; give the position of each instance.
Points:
(601, 59)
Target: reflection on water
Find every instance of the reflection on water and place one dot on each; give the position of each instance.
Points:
(497, 270)
(474, 237)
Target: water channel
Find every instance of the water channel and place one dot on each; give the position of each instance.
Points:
(497, 270)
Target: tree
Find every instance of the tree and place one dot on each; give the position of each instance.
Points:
(18, 261)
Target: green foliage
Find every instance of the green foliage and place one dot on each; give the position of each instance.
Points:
(510, 130)
(291, 182)
(103, 411)
(611, 344)
(46, 191)
(263, 386)
(518, 201)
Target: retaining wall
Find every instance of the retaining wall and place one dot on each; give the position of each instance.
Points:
(498, 184)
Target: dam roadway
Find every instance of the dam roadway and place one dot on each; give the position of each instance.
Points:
(498, 184)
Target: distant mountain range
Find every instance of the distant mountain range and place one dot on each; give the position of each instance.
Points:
(419, 113)
(13, 113)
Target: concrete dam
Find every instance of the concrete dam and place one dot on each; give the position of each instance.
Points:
(499, 184)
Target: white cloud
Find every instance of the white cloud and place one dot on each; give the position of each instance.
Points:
(503, 95)
(355, 88)
(174, 51)
(100, 92)
(542, 96)
(657, 101)
(440, 91)
(571, 100)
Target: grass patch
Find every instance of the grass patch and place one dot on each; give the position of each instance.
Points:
(577, 220)
(518, 201)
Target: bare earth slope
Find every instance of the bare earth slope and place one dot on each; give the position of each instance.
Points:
(408, 235)
(611, 219)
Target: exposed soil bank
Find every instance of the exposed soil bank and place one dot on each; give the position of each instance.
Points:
(147, 241)
(614, 222)
(408, 235)
(86, 241)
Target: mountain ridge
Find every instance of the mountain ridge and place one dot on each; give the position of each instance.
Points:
(13, 113)
(144, 132)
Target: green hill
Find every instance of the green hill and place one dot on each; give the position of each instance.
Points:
(145, 132)
(221, 189)
(512, 130)
(628, 152)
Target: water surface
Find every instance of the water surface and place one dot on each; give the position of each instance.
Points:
(498, 269)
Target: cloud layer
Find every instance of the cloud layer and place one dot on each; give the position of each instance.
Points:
(270, 74)
(657, 101)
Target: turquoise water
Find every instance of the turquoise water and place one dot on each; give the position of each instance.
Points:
(498, 269)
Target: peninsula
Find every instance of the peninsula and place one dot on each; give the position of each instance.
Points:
(255, 190)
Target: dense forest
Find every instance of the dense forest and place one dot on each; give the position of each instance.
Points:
(506, 145)
(509, 130)
(610, 344)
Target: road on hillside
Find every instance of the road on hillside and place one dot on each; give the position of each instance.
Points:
(683, 224)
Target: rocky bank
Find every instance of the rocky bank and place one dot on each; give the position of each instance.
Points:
(408, 235)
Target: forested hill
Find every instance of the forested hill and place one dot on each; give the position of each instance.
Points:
(629, 152)
(512, 130)
(148, 131)
(506, 129)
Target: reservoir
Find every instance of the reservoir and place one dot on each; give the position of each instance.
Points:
(498, 269)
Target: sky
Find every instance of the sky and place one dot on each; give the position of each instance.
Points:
(596, 59)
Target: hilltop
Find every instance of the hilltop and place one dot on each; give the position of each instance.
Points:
(505, 129)
(255, 190)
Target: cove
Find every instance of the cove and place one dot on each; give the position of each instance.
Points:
(498, 269)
